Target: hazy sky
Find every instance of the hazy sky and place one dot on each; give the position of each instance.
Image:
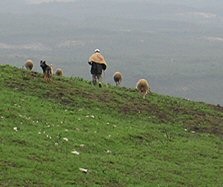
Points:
(47, 1)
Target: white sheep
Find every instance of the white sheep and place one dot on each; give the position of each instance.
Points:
(29, 64)
(143, 87)
(59, 72)
(117, 78)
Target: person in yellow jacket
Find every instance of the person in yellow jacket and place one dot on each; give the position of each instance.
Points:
(98, 64)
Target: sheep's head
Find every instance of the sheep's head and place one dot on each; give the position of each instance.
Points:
(142, 90)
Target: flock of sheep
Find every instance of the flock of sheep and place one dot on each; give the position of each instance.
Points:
(142, 85)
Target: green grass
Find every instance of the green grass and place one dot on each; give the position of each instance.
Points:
(123, 140)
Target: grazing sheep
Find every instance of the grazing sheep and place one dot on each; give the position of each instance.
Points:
(29, 64)
(117, 78)
(143, 87)
(59, 72)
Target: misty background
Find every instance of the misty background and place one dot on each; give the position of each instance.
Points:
(177, 46)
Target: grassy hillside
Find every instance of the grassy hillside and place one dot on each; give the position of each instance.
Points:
(49, 131)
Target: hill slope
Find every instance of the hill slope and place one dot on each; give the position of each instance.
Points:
(49, 131)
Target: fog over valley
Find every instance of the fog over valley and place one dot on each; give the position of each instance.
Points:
(175, 45)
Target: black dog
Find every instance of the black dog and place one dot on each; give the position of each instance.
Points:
(47, 70)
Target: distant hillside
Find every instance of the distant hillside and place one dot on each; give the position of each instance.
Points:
(177, 45)
(70, 133)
